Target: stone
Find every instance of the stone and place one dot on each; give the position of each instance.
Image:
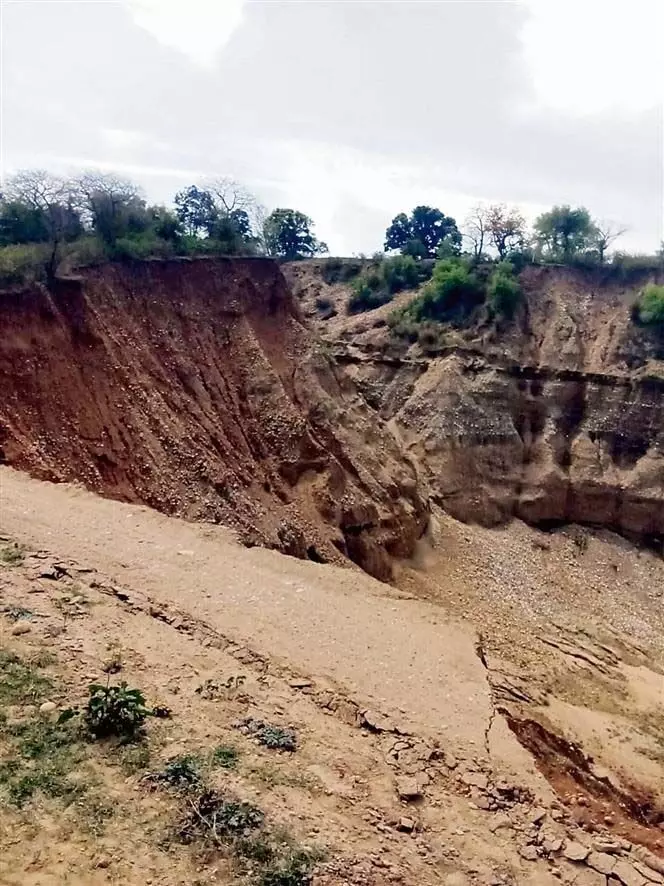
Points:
(537, 815)
(450, 761)
(551, 845)
(574, 851)
(650, 875)
(375, 722)
(649, 859)
(475, 780)
(627, 874)
(529, 853)
(21, 628)
(406, 824)
(601, 861)
(48, 707)
(500, 821)
(299, 683)
(408, 788)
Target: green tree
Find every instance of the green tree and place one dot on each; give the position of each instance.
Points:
(563, 232)
(196, 210)
(422, 233)
(114, 207)
(288, 234)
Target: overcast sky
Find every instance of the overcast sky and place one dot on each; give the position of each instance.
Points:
(349, 111)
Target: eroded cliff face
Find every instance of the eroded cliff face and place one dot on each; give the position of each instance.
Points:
(555, 417)
(193, 387)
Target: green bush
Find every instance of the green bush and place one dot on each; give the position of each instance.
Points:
(504, 291)
(378, 285)
(452, 293)
(649, 308)
(23, 263)
(115, 710)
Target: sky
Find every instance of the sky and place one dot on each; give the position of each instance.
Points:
(349, 110)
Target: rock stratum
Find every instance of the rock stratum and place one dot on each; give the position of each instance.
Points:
(556, 417)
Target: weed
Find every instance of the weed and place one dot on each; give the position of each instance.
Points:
(49, 781)
(42, 738)
(115, 710)
(225, 756)
(134, 757)
(12, 555)
(16, 613)
(94, 813)
(113, 663)
(294, 870)
(275, 737)
(42, 659)
(182, 773)
(19, 682)
(255, 848)
(212, 817)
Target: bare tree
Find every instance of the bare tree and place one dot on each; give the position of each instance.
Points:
(605, 234)
(506, 227)
(51, 196)
(476, 228)
(233, 199)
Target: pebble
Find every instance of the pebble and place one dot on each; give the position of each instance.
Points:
(408, 788)
(574, 851)
(21, 628)
(48, 707)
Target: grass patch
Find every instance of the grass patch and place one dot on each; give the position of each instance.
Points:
(214, 818)
(274, 777)
(134, 757)
(225, 757)
(12, 555)
(20, 682)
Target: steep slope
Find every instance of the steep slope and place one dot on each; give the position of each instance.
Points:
(556, 417)
(193, 387)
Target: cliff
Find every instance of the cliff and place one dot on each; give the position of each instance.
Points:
(193, 387)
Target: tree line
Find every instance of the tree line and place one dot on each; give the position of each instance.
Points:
(46, 220)
(562, 234)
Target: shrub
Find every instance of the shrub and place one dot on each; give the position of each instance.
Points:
(215, 818)
(649, 308)
(115, 710)
(339, 270)
(379, 285)
(452, 293)
(180, 772)
(23, 263)
(504, 291)
(225, 757)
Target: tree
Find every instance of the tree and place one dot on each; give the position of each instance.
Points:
(39, 198)
(196, 210)
(288, 235)
(114, 207)
(606, 233)
(422, 233)
(476, 229)
(506, 228)
(20, 223)
(564, 232)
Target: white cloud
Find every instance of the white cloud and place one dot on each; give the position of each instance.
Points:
(590, 57)
(197, 28)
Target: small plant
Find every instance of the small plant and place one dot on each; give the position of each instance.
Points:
(134, 758)
(225, 757)
(275, 737)
(295, 870)
(115, 710)
(213, 817)
(182, 773)
(16, 613)
(12, 555)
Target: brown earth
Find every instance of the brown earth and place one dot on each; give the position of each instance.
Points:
(384, 688)
(510, 679)
(193, 387)
(557, 417)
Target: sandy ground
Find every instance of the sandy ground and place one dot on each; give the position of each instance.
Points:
(565, 632)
